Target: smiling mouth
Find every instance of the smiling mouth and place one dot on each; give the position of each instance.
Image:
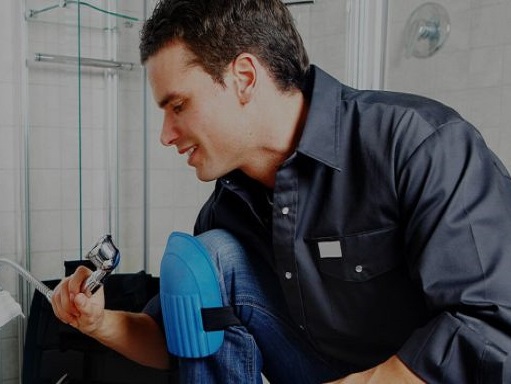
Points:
(190, 151)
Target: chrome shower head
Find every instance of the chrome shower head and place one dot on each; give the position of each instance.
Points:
(105, 256)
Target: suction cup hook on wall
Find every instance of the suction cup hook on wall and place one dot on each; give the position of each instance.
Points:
(427, 30)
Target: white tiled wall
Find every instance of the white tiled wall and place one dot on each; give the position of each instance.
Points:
(322, 26)
(471, 72)
(10, 208)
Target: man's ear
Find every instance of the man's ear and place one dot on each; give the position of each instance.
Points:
(245, 76)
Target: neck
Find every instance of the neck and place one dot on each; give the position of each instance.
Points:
(281, 132)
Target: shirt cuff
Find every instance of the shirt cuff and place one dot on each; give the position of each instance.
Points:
(446, 350)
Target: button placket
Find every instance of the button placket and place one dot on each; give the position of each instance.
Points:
(284, 227)
(285, 210)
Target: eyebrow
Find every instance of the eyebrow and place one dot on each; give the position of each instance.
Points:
(167, 99)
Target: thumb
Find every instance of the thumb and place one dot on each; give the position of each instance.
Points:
(81, 302)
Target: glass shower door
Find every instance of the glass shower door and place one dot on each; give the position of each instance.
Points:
(85, 131)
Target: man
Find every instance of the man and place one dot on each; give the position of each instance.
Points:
(360, 236)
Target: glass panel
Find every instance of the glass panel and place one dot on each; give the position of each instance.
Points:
(112, 127)
(131, 193)
(85, 131)
(52, 140)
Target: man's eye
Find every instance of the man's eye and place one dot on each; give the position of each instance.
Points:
(177, 108)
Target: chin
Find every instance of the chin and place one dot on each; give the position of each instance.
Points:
(206, 177)
(202, 175)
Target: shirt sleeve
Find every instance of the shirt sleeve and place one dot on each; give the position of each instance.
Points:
(153, 309)
(456, 199)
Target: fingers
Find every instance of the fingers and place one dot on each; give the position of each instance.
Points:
(90, 312)
(78, 279)
(63, 302)
(64, 297)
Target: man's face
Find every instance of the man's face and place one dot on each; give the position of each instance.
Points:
(201, 118)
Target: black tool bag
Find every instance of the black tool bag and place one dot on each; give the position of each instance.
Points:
(57, 353)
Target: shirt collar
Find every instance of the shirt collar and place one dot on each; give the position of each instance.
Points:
(321, 134)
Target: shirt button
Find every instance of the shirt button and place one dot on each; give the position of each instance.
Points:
(288, 275)
(359, 268)
(285, 210)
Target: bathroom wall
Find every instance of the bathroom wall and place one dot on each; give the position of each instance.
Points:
(10, 176)
(323, 28)
(470, 73)
(173, 194)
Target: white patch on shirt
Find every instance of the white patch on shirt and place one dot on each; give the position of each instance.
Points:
(330, 249)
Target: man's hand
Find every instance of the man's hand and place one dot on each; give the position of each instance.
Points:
(391, 371)
(137, 336)
(73, 307)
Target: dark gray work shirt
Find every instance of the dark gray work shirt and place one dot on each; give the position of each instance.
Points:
(390, 234)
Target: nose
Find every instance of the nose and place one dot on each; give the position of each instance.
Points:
(168, 133)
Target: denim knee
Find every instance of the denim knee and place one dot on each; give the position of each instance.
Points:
(224, 249)
(244, 278)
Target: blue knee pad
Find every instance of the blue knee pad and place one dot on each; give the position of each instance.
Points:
(191, 301)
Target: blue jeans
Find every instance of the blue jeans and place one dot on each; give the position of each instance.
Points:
(267, 342)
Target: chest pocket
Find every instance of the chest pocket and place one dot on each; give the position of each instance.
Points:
(362, 256)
